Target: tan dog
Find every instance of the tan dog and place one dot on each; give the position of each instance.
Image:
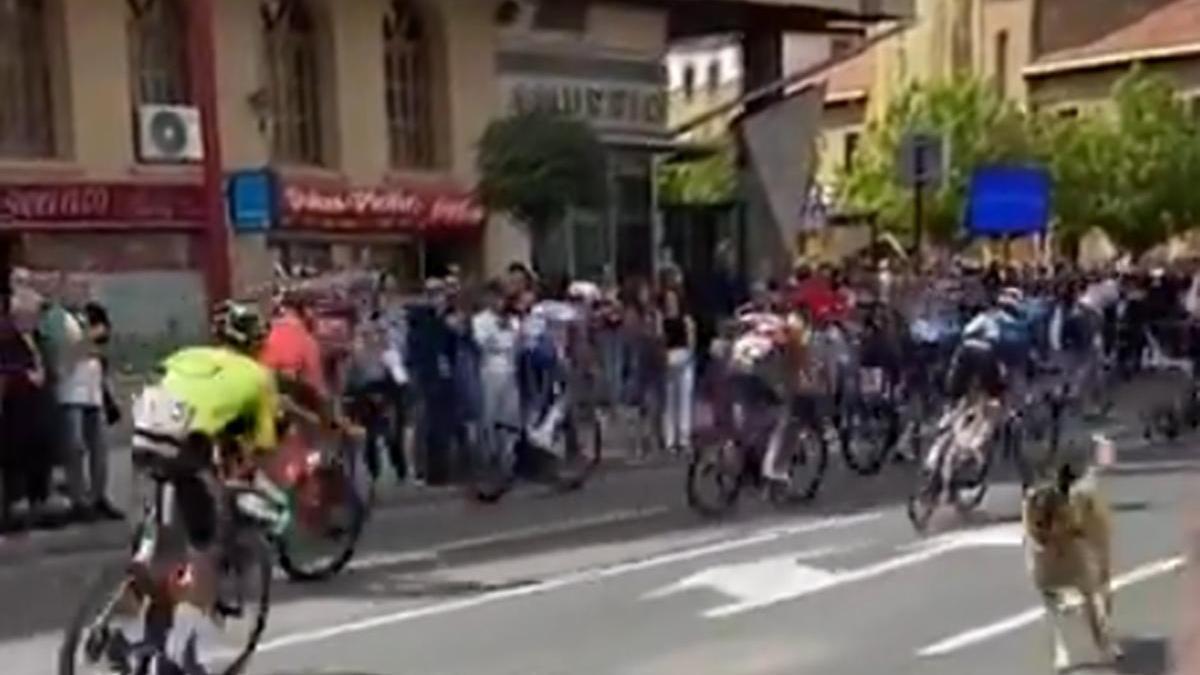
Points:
(1068, 535)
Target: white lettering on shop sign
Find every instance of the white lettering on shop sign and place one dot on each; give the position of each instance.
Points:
(604, 105)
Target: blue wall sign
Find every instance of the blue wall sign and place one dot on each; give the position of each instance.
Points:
(1008, 200)
(253, 200)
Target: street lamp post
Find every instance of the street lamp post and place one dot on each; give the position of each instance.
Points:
(202, 59)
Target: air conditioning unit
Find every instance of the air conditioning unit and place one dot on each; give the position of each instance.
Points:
(169, 133)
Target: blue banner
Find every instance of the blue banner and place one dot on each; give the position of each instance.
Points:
(1008, 200)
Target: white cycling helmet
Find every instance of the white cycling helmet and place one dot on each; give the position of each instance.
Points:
(1010, 299)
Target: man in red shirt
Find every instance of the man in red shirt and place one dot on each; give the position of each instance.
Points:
(816, 294)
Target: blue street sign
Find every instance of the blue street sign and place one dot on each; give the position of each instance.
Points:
(1008, 200)
(253, 200)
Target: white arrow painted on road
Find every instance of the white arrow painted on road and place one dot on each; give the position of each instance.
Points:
(770, 581)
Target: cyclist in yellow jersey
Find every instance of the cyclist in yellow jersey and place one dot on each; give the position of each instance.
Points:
(228, 394)
(223, 388)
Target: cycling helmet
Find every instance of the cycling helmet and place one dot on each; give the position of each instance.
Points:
(1010, 299)
(238, 325)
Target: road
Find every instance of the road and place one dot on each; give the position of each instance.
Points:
(621, 579)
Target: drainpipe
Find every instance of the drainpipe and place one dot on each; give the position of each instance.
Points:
(215, 247)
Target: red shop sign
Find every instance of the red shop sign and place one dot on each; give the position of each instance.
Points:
(104, 203)
(389, 207)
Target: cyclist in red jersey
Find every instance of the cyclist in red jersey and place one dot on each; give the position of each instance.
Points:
(292, 351)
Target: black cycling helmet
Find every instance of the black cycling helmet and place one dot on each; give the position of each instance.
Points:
(238, 325)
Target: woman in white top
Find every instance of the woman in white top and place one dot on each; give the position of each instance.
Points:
(496, 333)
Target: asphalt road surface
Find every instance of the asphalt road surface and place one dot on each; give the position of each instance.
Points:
(621, 579)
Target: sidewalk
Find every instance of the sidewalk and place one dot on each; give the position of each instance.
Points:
(92, 537)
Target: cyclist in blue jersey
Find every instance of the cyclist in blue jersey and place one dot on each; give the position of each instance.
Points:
(991, 360)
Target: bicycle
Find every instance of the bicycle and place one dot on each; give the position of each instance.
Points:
(126, 620)
(575, 453)
(735, 461)
(959, 475)
(868, 422)
(151, 581)
(332, 496)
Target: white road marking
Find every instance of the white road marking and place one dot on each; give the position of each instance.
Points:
(507, 536)
(1022, 619)
(777, 579)
(564, 581)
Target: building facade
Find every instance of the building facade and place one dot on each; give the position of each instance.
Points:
(365, 113)
(1061, 56)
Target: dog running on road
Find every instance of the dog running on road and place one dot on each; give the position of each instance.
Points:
(1068, 537)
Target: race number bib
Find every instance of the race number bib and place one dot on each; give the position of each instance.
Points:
(160, 421)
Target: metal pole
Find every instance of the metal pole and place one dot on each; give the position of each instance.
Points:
(204, 94)
(918, 202)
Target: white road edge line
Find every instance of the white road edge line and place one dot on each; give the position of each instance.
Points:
(983, 633)
(570, 579)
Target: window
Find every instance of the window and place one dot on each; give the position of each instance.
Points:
(158, 51)
(27, 104)
(1001, 73)
(561, 15)
(1067, 112)
(294, 82)
(409, 87)
(714, 74)
(689, 81)
(850, 149)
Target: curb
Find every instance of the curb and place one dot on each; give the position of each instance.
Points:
(96, 538)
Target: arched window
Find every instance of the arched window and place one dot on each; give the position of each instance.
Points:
(158, 51)
(27, 102)
(409, 86)
(293, 68)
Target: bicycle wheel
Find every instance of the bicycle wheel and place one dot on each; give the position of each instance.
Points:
(107, 628)
(246, 568)
(331, 511)
(927, 490)
(584, 439)
(807, 459)
(1014, 447)
(714, 477)
(969, 479)
(868, 434)
(113, 632)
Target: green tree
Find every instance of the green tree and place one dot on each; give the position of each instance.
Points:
(977, 126)
(537, 165)
(709, 180)
(1131, 169)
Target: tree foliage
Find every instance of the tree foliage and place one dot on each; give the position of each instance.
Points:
(1130, 168)
(711, 180)
(538, 165)
(978, 127)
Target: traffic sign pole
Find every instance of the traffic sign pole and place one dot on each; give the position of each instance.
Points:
(918, 204)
